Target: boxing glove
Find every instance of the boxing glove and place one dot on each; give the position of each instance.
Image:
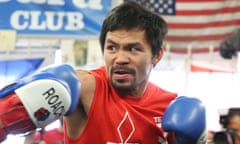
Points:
(38, 100)
(186, 117)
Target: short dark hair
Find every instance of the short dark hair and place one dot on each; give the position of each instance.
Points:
(233, 111)
(129, 15)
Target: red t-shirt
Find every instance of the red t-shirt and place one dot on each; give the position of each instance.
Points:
(114, 119)
(53, 136)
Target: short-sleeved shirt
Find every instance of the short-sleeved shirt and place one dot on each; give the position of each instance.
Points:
(114, 119)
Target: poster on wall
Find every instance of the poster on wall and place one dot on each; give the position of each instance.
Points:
(81, 53)
(54, 17)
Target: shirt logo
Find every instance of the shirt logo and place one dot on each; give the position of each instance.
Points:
(125, 130)
(158, 121)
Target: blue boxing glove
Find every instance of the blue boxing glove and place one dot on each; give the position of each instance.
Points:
(186, 117)
(38, 100)
(67, 74)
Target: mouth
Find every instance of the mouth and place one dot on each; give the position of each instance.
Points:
(121, 74)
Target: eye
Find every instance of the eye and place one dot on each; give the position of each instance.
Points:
(134, 49)
(111, 48)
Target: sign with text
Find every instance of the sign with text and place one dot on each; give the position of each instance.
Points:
(54, 17)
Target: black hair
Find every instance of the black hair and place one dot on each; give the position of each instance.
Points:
(224, 119)
(230, 46)
(233, 111)
(129, 15)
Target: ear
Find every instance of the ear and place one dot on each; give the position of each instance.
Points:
(158, 57)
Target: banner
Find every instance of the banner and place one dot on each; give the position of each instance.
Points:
(54, 17)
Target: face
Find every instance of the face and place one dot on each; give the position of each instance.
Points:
(234, 123)
(129, 60)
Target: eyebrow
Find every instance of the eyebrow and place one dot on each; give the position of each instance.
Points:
(110, 41)
(128, 45)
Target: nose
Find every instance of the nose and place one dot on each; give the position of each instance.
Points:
(122, 58)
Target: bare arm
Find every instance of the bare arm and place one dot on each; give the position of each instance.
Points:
(77, 120)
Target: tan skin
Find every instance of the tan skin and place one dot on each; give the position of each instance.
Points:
(234, 123)
(129, 48)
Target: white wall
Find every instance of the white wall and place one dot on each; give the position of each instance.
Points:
(216, 90)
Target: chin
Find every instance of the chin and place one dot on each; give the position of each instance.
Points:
(123, 88)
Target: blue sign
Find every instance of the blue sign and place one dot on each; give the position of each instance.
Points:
(54, 17)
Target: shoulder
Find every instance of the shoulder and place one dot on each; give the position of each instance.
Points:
(99, 72)
(89, 80)
(161, 93)
(158, 89)
(91, 74)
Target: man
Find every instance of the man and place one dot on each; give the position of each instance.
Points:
(230, 123)
(117, 103)
(234, 123)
